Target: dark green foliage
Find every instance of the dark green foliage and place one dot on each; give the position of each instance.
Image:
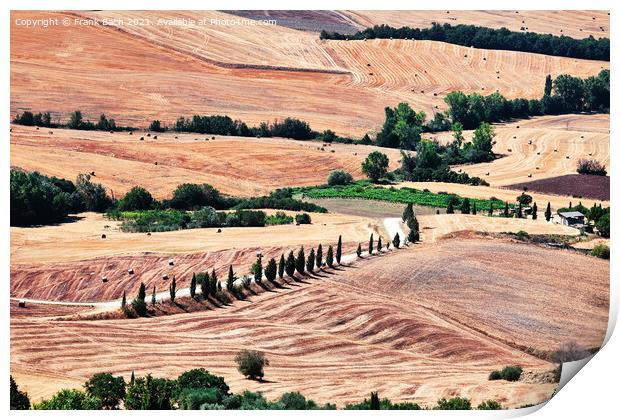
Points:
(310, 261)
(303, 219)
(534, 212)
(456, 403)
(407, 212)
(70, 399)
(257, 269)
(596, 212)
(153, 297)
(213, 283)
(201, 378)
(196, 398)
(339, 177)
(93, 195)
(495, 375)
(375, 166)
(506, 210)
(601, 251)
(473, 208)
(139, 303)
(19, 399)
(371, 244)
(192, 286)
(359, 250)
(281, 199)
(520, 211)
(402, 129)
(508, 373)
(385, 404)
(489, 405)
(109, 389)
(251, 363)
(591, 167)
(300, 261)
(150, 393)
(339, 249)
(329, 258)
(602, 225)
(156, 126)
(548, 212)
(379, 244)
(396, 241)
(293, 401)
(319, 257)
(173, 289)
(192, 196)
(290, 264)
(136, 199)
(490, 209)
(465, 206)
(450, 208)
(524, 199)
(484, 37)
(105, 124)
(204, 280)
(124, 300)
(230, 281)
(414, 229)
(280, 218)
(281, 265)
(271, 270)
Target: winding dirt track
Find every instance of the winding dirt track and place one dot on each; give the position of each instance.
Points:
(253, 73)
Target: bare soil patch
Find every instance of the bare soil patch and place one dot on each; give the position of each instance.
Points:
(575, 185)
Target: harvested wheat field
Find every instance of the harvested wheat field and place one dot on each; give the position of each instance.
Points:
(541, 147)
(573, 23)
(254, 74)
(121, 161)
(333, 342)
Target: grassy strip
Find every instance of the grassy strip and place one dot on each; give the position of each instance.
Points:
(367, 191)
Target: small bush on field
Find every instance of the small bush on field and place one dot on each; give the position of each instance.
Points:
(339, 177)
(489, 405)
(495, 375)
(456, 403)
(251, 363)
(280, 218)
(303, 219)
(601, 251)
(591, 167)
(508, 373)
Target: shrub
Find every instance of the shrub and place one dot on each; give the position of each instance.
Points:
(251, 363)
(591, 167)
(602, 225)
(19, 399)
(601, 251)
(570, 352)
(195, 398)
(190, 196)
(495, 375)
(303, 219)
(456, 403)
(511, 373)
(293, 401)
(110, 390)
(70, 399)
(150, 393)
(375, 166)
(136, 199)
(339, 177)
(489, 405)
(280, 218)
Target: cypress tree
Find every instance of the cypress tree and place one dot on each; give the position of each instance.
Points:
(290, 264)
(570, 204)
(310, 261)
(490, 208)
(204, 285)
(473, 208)
(396, 240)
(548, 212)
(257, 269)
(450, 208)
(329, 259)
(506, 210)
(534, 212)
(548, 85)
(281, 265)
(379, 244)
(192, 286)
(375, 404)
(124, 301)
(213, 283)
(230, 282)
(133, 378)
(371, 244)
(173, 289)
(319, 257)
(271, 270)
(153, 297)
(408, 212)
(300, 261)
(142, 292)
(520, 211)
(339, 249)
(465, 206)
(359, 250)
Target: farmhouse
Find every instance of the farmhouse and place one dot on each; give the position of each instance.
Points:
(572, 218)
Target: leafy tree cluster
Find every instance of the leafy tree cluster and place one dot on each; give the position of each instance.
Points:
(75, 122)
(37, 199)
(488, 38)
(339, 177)
(19, 399)
(591, 167)
(508, 373)
(224, 125)
(281, 199)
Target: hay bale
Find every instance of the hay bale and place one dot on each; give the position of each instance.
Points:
(170, 261)
(165, 276)
(213, 138)
(130, 271)
(148, 233)
(219, 230)
(529, 175)
(131, 133)
(103, 236)
(37, 128)
(176, 137)
(111, 132)
(154, 137)
(488, 173)
(21, 303)
(104, 279)
(51, 132)
(148, 134)
(141, 138)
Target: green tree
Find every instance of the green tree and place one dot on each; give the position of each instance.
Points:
(371, 244)
(450, 208)
(339, 249)
(359, 250)
(201, 378)
(602, 225)
(156, 126)
(534, 212)
(548, 85)
(190, 196)
(139, 303)
(329, 258)
(300, 261)
(75, 120)
(281, 266)
(251, 363)
(319, 257)
(456, 403)
(483, 141)
(490, 208)
(257, 269)
(473, 208)
(506, 210)
(375, 166)
(520, 211)
(136, 199)
(109, 389)
(339, 177)
(379, 244)
(407, 212)
(465, 206)
(192, 286)
(374, 401)
(93, 195)
(489, 405)
(290, 264)
(271, 271)
(396, 241)
(153, 297)
(150, 393)
(204, 279)
(19, 399)
(173, 289)
(213, 282)
(69, 399)
(310, 261)
(124, 300)
(230, 282)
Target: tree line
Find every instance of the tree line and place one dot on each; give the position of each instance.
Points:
(488, 38)
(76, 122)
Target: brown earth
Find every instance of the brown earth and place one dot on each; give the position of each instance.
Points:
(575, 185)
(254, 73)
(338, 337)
